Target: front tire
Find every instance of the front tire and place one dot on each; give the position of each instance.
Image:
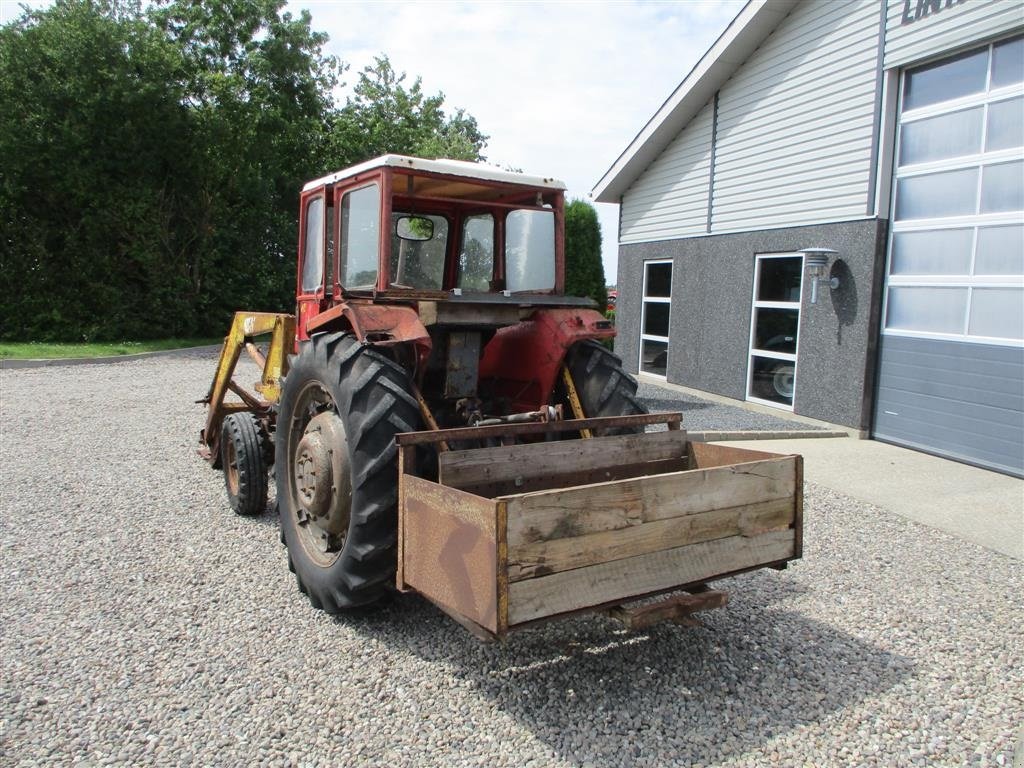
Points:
(603, 386)
(337, 469)
(243, 457)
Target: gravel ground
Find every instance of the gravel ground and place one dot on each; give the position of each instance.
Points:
(701, 415)
(143, 623)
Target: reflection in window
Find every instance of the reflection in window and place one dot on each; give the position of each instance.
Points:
(1002, 188)
(962, 276)
(951, 193)
(476, 258)
(360, 232)
(775, 330)
(933, 252)
(1005, 125)
(656, 313)
(946, 80)
(997, 312)
(1000, 250)
(654, 357)
(942, 137)
(934, 310)
(659, 279)
(313, 257)
(656, 319)
(1008, 63)
(780, 279)
(419, 263)
(773, 379)
(530, 251)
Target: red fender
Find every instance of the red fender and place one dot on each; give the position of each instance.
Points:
(522, 361)
(382, 325)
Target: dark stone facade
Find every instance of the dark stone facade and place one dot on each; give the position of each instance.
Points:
(712, 288)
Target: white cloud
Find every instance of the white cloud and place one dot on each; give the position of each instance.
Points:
(561, 88)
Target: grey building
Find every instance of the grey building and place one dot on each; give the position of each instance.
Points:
(827, 216)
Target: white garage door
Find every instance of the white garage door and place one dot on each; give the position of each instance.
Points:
(952, 353)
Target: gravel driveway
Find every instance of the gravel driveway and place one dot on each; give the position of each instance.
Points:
(142, 623)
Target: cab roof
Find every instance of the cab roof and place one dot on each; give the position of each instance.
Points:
(460, 168)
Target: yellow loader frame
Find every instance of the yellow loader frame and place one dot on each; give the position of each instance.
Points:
(245, 328)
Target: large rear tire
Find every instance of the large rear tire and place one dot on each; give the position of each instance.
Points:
(603, 386)
(337, 469)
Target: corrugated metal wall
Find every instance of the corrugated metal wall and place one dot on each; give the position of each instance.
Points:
(795, 122)
(965, 401)
(918, 29)
(670, 199)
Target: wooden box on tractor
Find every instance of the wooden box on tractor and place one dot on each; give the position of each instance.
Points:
(513, 535)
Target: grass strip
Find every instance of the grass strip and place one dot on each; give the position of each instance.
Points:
(45, 350)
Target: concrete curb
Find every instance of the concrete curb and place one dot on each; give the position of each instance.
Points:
(794, 434)
(18, 364)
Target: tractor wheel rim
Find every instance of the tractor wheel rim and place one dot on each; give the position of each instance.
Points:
(320, 534)
(783, 381)
(231, 467)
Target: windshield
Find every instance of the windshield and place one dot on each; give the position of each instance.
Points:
(417, 260)
(530, 251)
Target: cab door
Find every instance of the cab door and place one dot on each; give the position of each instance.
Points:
(311, 296)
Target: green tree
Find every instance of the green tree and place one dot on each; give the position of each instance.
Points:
(584, 270)
(150, 160)
(259, 90)
(91, 128)
(384, 116)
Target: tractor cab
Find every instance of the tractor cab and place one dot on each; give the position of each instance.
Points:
(402, 229)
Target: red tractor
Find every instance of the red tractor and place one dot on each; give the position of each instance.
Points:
(431, 335)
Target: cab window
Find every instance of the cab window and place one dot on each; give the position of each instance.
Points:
(530, 251)
(360, 237)
(419, 244)
(313, 257)
(476, 257)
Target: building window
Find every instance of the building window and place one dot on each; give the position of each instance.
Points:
(657, 306)
(774, 329)
(956, 253)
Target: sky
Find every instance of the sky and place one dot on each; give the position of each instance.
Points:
(561, 88)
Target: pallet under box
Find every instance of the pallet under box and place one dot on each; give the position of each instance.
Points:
(512, 535)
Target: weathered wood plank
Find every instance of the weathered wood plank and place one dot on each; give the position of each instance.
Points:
(586, 477)
(450, 549)
(520, 464)
(587, 509)
(678, 608)
(553, 556)
(707, 455)
(644, 574)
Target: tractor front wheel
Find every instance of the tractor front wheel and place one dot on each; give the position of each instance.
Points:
(603, 386)
(337, 469)
(243, 457)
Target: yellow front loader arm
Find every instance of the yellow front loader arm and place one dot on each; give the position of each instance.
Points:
(245, 327)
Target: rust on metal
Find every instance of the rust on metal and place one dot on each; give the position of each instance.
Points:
(673, 421)
(245, 327)
(449, 546)
(256, 355)
(428, 416)
(574, 400)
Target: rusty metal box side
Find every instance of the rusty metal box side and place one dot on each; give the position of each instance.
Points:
(448, 544)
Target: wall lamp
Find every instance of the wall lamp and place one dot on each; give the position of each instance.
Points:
(816, 260)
